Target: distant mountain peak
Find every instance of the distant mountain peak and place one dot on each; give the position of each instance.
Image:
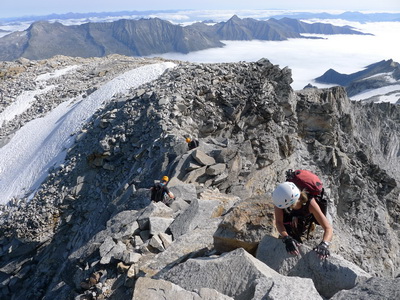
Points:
(333, 77)
(385, 73)
(234, 20)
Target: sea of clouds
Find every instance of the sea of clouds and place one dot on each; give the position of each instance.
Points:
(310, 58)
(307, 58)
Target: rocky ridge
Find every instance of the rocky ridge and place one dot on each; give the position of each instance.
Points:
(88, 75)
(91, 231)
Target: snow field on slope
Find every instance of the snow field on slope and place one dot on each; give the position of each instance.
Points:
(42, 143)
(25, 100)
(385, 94)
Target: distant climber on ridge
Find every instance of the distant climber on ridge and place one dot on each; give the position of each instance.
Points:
(192, 143)
(160, 191)
(297, 211)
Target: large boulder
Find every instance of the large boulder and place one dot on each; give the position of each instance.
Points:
(374, 288)
(123, 225)
(240, 276)
(245, 225)
(202, 158)
(199, 211)
(196, 243)
(154, 209)
(340, 273)
(211, 204)
(192, 230)
(182, 191)
(151, 289)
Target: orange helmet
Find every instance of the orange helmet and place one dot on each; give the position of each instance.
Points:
(188, 140)
(165, 178)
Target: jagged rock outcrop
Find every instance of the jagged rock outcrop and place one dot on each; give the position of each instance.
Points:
(244, 278)
(91, 229)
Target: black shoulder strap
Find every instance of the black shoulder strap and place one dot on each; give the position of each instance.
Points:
(289, 175)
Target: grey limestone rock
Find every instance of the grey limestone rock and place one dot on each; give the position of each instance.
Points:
(199, 212)
(182, 191)
(243, 275)
(123, 225)
(245, 225)
(339, 273)
(216, 169)
(147, 288)
(195, 243)
(158, 224)
(155, 209)
(110, 250)
(202, 158)
(246, 117)
(374, 288)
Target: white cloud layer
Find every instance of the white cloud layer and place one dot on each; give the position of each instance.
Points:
(310, 58)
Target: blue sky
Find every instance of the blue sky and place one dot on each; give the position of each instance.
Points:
(18, 8)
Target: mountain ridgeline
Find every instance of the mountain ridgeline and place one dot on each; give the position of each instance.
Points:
(354, 16)
(90, 231)
(148, 36)
(384, 74)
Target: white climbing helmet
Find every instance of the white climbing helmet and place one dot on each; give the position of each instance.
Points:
(285, 194)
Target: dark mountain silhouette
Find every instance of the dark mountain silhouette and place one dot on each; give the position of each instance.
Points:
(317, 28)
(385, 66)
(249, 29)
(374, 76)
(354, 16)
(148, 36)
(273, 29)
(132, 38)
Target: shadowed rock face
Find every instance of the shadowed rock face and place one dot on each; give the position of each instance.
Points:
(93, 218)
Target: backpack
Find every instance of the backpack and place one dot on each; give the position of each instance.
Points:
(308, 181)
(157, 194)
(193, 144)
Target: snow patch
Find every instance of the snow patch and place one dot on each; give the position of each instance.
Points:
(55, 74)
(387, 76)
(24, 101)
(386, 94)
(42, 143)
(21, 104)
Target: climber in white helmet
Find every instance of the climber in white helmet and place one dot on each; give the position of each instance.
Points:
(293, 208)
